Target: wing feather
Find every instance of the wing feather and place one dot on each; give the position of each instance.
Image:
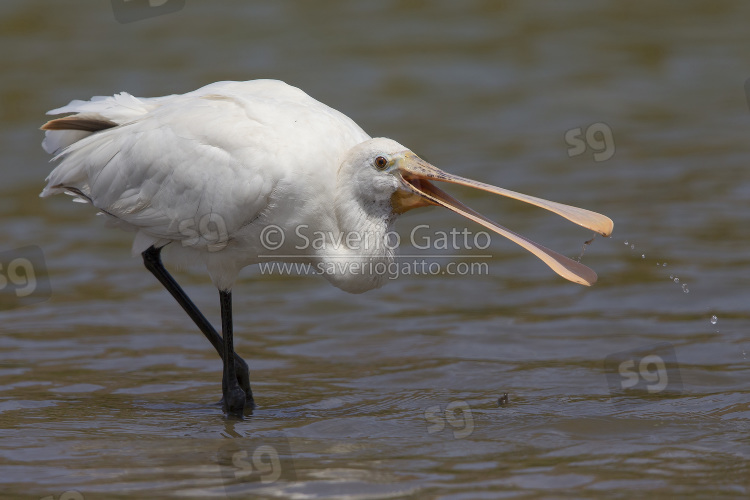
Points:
(216, 156)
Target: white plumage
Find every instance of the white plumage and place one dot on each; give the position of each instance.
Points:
(206, 172)
(232, 149)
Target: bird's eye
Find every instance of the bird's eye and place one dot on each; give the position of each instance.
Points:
(381, 162)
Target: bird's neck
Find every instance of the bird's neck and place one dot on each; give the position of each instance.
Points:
(360, 252)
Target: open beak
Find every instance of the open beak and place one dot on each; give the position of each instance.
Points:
(418, 191)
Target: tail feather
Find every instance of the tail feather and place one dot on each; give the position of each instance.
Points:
(80, 122)
(100, 113)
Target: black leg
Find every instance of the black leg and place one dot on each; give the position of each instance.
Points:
(234, 396)
(152, 261)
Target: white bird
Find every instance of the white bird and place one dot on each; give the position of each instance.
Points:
(207, 173)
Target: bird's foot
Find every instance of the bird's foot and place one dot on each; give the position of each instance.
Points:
(237, 396)
(243, 380)
(234, 401)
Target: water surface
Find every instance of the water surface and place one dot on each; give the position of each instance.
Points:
(107, 390)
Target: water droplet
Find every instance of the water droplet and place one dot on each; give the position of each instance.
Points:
(671, 276)
(632, 247)
(664, 265)
(677, 280)
(657, 263)
(714, 319)
(626, 242)
(685, 288)
(643, 256)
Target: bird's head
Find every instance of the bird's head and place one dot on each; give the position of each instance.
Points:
(389, 173)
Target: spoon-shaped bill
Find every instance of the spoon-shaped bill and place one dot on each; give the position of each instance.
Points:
(415, 166)
(565, 267)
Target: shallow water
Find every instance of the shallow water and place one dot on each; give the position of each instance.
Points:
(108, 391)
